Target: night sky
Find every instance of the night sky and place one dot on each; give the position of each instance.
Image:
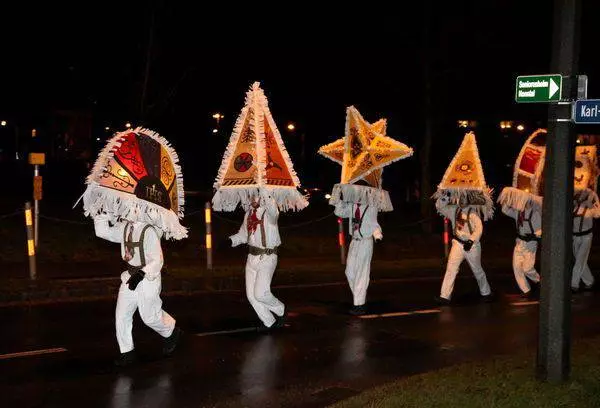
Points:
(312, 61)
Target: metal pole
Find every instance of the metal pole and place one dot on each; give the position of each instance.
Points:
(36, 207)
(30, 243)
(554, 341)
(208, 222)
(342, 241)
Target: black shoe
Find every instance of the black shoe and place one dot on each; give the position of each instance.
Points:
(126, 359)
(574, 290)
(358, 310)
(442, 301)
(280, 320)
(527, 295)
(172, 341)
(588, 288)
(487, 298)
(264, 329)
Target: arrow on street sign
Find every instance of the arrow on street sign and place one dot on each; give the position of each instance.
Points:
(538, 88)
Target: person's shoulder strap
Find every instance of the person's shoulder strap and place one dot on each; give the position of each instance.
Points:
(141, 244)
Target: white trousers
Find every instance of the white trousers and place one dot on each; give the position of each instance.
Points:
(146, 298)
(524, 264)
(473, 257)
(358, 268)
(259, 273)
(581, 252)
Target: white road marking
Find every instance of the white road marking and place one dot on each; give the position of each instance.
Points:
(32, 353)
(399, 314)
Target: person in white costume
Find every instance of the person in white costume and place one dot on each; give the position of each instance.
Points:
(586, 208)
(141, 284)
(467, 229)
(260, 231)
(529, 233)
(364, 229)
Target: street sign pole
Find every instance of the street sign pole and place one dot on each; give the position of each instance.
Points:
(554, 340)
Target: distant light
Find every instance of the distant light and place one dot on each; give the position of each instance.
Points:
(106, 128)
(520, 128)
(33, 133)
(328, 196)
(3, 123)
(217, 116)
(578, 141)
(506, 124)
(291, 126)
(97, 139)
(215, 130)
(463, 123)
(127, 125)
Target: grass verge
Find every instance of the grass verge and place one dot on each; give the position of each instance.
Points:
(506, 382)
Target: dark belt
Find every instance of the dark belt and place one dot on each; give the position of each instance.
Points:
(256, 251)
(528, 237)
(582, 233)
(462, 241)
(133, 269)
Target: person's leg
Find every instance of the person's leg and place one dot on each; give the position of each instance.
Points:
(455, 258)
(363, 271)
(474, 259)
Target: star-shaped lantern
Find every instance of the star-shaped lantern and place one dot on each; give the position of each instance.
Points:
(365, 150)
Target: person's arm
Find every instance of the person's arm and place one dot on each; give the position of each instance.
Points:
(153, 254)
(242, 235)
(105, 231)
(509, 211)
(343, 209)
(444, 209)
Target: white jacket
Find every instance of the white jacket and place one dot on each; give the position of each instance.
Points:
(151, 245)
(367, 226)
(473, 226)
(269, 215)
(532, 214)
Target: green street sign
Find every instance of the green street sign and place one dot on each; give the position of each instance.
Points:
(538, 88)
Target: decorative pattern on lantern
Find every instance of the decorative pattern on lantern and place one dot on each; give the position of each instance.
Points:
(256, 158)
(137, 178)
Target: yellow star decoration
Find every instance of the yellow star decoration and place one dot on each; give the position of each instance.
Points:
(365, 150)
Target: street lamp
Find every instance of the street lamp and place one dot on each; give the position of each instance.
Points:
(215, 130)
(106, 128)
(127, 125)
(3, 123)
(520, 128)
(217, 116)
(291, 127)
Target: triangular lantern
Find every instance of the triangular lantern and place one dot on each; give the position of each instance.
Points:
(464, 178)
(256, 158)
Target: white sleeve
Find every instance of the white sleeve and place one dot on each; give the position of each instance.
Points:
(343, 209)
(105, 231)
(511, 212)
(445, 210)
(153, 254)
(242, 235)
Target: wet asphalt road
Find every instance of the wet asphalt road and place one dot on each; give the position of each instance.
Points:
(322, 356)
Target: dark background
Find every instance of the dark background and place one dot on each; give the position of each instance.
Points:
(78, 68)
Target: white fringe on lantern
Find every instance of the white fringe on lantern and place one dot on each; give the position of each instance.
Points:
(366, 195)
(98, 199)
(286, 198)
(517, 199)
(472, 198)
